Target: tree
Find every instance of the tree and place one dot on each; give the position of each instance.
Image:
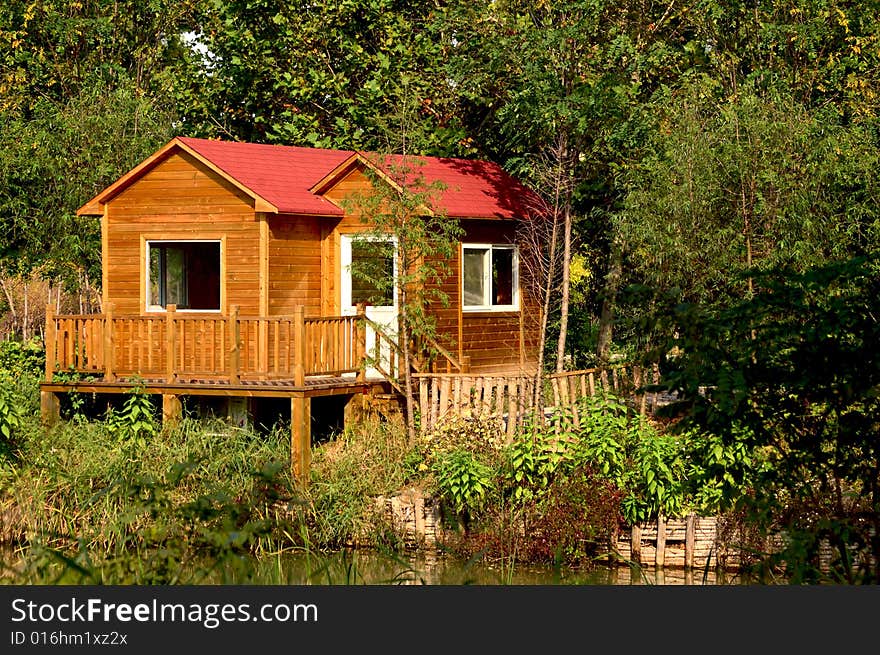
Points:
(84, 95)
(53, 162)
(563, 82)
(756, 182)
(794, 371)
(54, 50)
(319, 74)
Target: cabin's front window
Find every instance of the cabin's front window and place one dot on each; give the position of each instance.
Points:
(489, 277)
(183, 273)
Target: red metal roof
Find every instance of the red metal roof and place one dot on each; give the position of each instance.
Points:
(284, 175)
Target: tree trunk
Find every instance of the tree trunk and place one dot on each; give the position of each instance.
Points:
(609, 298)
(566, 283)
(545, 312)
(403, 340)
(4, 283)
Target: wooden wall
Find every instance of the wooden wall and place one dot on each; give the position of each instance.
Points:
(181, 199)
(490, 339)
(295, 264)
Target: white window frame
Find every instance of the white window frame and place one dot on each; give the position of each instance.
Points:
(487, 305)
(346, 242)
(148, 243)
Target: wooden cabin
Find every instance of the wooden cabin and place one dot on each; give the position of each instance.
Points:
(226, 271)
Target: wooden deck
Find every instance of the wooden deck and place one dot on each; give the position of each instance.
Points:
(173, 347)
(320, 385)
(178, 354)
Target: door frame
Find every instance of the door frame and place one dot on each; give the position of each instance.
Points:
(385, 315)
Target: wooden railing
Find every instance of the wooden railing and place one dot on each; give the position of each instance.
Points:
(177, 346)
(509, 399)
(386, 356)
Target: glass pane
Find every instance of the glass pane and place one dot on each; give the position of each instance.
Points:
(372, 273)
(502, 276)
(202, 274)
(155, 275)
(175, 277)
(473, 277)
(186, 274)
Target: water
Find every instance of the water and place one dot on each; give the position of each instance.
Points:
(370, 567)
(359, 567)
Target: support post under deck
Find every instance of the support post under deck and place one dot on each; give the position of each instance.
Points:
(50, 408)
(171, 410)
(300, 437)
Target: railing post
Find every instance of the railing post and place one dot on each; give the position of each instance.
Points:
(235, 346)
(466, 364)
(170, 343)
(361, 348)
(299, 352)
(51, 336)
(109, 344)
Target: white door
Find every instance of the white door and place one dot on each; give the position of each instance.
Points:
(363, 261)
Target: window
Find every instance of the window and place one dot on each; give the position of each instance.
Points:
(372, 273)
(489, 277)
(183, 273)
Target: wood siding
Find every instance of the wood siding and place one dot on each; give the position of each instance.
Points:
(295, 265)
(491, 339)
(181, 199)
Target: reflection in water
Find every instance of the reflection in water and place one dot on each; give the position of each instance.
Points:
(372, 568)
(368, 567)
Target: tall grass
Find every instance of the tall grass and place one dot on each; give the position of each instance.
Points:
(89, 502)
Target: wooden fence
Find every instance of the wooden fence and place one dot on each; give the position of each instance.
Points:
(510, 399)
(687, 542)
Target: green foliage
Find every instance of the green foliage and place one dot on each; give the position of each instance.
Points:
(369, 459)
(53, 161)
(21, 369)
(463, 480)
(162, 538)
(136, 422)
(530, 466)
(656, 472)
(720, 472)
(657, 480)
(194, 506)
(345, 67)
(754, 183)
(10, 416)
(18, 358)
(793, 373)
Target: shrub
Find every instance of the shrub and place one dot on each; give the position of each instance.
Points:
(463, 481)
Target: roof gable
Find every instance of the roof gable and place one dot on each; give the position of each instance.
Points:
(291, 179)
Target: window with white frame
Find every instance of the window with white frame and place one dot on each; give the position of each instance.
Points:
(183, 273)
(489, 277)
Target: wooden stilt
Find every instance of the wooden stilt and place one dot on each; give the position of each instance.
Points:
(660, 557)
(636, 544)
(50, 408)
(689, 541)
(300, 438)
(172, 410)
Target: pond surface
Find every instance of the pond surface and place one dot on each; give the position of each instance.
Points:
(370, 567)
(358, 567)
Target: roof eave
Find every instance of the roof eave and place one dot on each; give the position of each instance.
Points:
(95, 206)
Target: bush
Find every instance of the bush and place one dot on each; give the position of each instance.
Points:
(22, 358)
